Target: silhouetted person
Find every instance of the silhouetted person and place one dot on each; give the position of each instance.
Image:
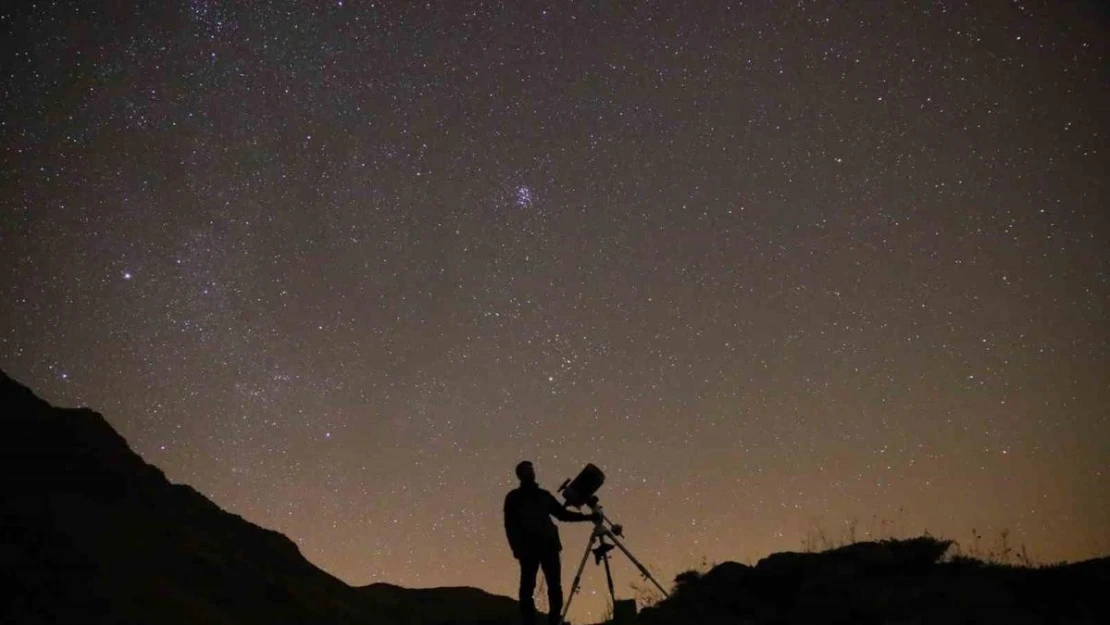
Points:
(534, 540)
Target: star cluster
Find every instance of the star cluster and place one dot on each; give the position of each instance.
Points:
(777, 268)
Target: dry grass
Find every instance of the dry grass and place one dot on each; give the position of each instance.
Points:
(998, 551)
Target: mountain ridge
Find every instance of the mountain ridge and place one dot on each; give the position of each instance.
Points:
(91, 532)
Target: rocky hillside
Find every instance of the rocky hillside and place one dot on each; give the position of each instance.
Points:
(91, 533)
(895, 581)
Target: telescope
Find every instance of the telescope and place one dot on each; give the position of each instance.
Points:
(580, 491)
(606, 535)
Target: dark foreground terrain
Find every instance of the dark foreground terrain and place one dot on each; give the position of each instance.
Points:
(90, 533)
(888, 582)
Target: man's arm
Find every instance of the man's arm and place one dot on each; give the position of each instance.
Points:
(559, 512)
(512, 527)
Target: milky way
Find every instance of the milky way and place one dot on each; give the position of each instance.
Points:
(781, 270)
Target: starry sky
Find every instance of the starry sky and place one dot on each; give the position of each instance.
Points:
(777, 268)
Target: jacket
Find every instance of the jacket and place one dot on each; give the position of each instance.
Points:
(528, 525)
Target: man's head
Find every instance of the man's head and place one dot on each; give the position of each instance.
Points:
(526, 473)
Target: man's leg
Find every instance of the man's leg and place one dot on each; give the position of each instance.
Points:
(529, 565)
(552, 572)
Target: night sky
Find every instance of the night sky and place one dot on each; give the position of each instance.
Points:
(772, 266)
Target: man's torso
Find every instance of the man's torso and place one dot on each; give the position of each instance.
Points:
(531, 507)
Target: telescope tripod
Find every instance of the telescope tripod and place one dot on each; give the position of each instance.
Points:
(606, 539)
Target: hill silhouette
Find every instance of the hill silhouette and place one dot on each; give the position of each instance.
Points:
(886, 582)
(91, 533)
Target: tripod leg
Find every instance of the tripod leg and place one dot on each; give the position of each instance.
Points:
(578, 576)
(643, 570)
(609, 578)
